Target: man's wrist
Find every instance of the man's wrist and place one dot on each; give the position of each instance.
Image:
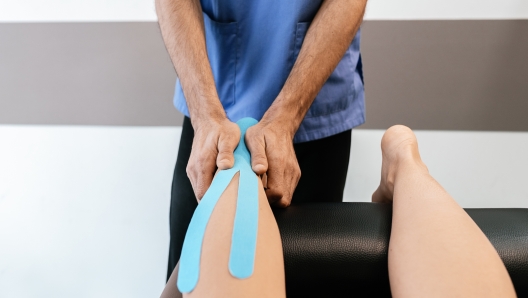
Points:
(285, 116)
(205, 111)
(206, 118)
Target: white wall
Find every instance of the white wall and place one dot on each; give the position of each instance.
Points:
(84, 210)
(479, 169)
(143, 10)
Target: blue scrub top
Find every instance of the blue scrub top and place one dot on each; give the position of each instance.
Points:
(252, 46)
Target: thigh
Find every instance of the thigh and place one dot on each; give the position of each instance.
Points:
(183, 200)
(324, 166)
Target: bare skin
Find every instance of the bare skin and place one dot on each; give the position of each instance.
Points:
(215, 280)
(215, 138)
(435, 250)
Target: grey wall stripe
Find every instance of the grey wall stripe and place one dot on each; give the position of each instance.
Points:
(462, 75)
(85, 73)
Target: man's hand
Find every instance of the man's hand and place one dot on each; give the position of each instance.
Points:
(272, 153)
(215, 137)
(213, 145)
(270, 141)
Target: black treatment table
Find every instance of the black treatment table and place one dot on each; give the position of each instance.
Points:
(340, 249)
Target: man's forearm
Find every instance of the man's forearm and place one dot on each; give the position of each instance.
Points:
(328, 37)
(182, 28)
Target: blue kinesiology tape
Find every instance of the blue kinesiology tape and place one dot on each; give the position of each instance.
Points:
(244, 237)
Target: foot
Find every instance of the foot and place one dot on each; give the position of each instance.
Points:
(399, 147)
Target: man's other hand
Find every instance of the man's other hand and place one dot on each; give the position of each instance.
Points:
(213, 146)
(272, 152)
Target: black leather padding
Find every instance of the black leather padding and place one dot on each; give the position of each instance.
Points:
(340, 249)
(507, 230)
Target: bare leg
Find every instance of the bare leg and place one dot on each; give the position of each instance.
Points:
(215, 280)
(435, 249)
(171, 291)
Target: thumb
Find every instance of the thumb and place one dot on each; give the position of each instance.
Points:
(226, 146)
(257, 147)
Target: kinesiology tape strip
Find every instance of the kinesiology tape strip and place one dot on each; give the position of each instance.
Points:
(244, 237)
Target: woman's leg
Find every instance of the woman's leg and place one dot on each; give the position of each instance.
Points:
(215, 280)
(171, 291)
(435, 250)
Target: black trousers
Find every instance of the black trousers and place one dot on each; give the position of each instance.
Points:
(323, 163)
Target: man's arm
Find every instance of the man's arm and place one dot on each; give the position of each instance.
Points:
(326, 41)
(215, 137)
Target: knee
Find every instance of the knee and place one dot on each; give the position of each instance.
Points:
(398, 135)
